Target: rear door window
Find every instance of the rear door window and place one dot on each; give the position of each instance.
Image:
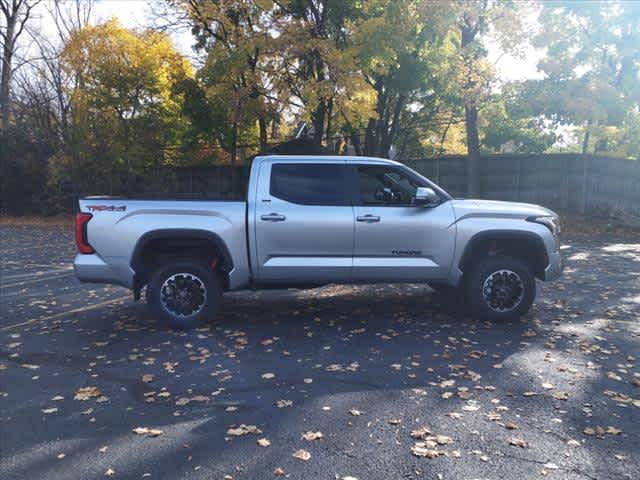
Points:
(310, 183)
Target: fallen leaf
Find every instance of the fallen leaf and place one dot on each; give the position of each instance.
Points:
(268, 376)
(243, 430)
(147, 378)
(284, 403)
(309, 436)
(86, 393)
(302, 455)
(560, 395)
(49, 410)
(420, 433)
(148, 432)
(278, 472)
(263, 442)
(518, 442)
(110, 472)
(355, 412)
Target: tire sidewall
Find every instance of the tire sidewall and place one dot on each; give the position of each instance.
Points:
(478, 275)
(211, 283)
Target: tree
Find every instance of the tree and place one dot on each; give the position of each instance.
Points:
(404, 50)
(317, 64)
(235, 37)
(592, 67)
(506, 128)
(476, 19)
(124, 107)
(15, 15)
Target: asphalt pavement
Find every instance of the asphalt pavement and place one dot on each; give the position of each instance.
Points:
(355, 382)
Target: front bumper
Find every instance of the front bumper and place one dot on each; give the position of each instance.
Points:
(555, 267)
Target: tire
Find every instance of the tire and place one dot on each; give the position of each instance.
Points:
(515, 292)
(184, 293)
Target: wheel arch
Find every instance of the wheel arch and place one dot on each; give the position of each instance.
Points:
(172, 242)
(527, 246)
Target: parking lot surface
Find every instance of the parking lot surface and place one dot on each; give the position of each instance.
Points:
(364, 382)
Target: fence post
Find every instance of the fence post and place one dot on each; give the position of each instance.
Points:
(585, 172)
(518, 175)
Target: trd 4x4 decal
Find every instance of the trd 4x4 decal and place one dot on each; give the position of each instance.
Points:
(107, 208)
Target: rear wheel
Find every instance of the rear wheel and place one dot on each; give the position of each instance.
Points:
(500, 287)
(184, 294)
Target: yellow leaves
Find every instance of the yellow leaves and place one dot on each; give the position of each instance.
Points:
(121, 71)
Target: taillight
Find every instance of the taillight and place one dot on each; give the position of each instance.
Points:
(81, 233)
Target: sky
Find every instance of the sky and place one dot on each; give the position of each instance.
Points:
(138, 14)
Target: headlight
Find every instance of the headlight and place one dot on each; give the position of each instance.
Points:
(552, 223)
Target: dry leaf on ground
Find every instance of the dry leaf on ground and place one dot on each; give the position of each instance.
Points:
(243, 430)
(309, 436)
(302, 455)
(86, 393)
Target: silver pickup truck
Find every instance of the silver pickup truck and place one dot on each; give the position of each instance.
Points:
(310, 221)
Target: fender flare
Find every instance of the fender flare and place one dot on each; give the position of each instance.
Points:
(502, 234)
(178, 234)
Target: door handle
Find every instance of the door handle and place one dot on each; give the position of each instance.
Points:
(368, 218)
(273, 217)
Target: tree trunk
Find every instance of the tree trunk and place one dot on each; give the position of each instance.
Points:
(585, 141)
(262, 123)
(473, 150)
(318, 123)
(5, 77)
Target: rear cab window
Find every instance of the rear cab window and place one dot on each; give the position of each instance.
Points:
(310, 183)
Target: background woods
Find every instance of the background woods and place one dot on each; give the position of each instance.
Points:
(87, 102)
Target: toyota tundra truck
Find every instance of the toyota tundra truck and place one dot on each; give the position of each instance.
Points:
(310, 221)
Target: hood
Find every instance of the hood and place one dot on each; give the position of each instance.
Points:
(483, 208)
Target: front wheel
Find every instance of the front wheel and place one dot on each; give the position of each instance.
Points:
(184, 294)
(500, 287)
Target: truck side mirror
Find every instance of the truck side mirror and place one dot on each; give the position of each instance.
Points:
(426, 197)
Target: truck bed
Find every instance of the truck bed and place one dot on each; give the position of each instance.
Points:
(119, 224)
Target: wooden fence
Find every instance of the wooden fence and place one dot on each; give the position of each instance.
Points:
(565, 182)
(591, 185)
